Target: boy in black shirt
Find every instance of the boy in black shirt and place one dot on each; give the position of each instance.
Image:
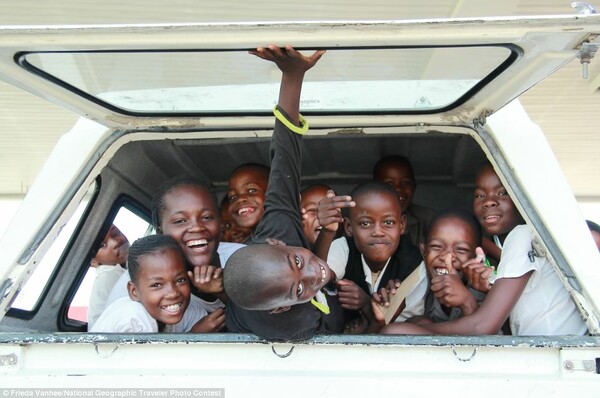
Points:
(275, 284)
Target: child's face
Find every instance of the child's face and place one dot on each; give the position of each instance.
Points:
(113, 249)
(192, 219)
(247, 189)
(300, 275)
(376, 225)
(162, 286)
(398, 177)
(494, 209)
(309, 202)
(230, 231)
(448, 235)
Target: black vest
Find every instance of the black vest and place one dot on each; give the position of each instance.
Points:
(404, 261)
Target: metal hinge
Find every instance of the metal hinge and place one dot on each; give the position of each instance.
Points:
(587, 52)
(586, 365)
(8, 359)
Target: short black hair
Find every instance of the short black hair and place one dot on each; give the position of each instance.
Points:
(593, 226)
(158, 200)
(460, 214)
(148, 245)
(245, 276)
(395, 160)
(258, 166)
(367, 188)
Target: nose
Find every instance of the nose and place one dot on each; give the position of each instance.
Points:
(196, 225)
(490, 202)
(377, 230)
(171, 290)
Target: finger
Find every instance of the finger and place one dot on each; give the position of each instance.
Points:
(449, 266)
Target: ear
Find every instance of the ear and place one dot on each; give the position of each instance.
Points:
(279, 310)
(403, 222)
(422, 249)
(348, 226)
(133, 292)
(159, 230)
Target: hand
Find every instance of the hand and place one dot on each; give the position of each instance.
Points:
(207, 279)
(477, 274)
(381, 300)
(211, 323)
(383, 296)
(351, 296)
(329, 211)
(287, 59)
(450, 290)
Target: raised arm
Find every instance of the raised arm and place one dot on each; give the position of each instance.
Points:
(293, 65)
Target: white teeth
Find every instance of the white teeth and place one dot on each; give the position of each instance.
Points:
(173, 307)
(441, 271)
(199, 242)
(244, 210)
(323, 273)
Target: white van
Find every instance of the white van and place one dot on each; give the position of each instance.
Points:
(164, 100)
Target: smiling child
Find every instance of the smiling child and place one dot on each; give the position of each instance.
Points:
(275, 290)
(526, 287)
(159, 290)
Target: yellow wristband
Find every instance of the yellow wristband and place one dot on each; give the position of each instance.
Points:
(322, 307)
(298, 130)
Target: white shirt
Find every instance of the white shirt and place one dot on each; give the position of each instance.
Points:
(197, 305)
(106, 277)
(545, 307)
(125, 316)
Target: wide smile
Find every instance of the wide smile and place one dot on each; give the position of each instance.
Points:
(245, 211)
(197, 245)
(172, 309)
(440, 271)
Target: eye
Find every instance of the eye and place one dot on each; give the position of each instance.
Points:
(182, 280)
(407, 184)
(252, 190)
(208, 217)
(389, 223)
(434, 248)
(300, 289)
(479, 196)
(298, 262)
(503, 193)
(364, 224)
(178, 221)
(156, 285)
(232, 198)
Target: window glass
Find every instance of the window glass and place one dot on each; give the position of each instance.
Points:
(358, 80)
(31, 292)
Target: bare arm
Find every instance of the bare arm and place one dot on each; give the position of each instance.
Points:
(488, 319)
(293, 65)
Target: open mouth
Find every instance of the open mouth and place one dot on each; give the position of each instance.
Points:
(199, 243)
(245, 211)
(323, 274)
(440, 271)
(172, 308)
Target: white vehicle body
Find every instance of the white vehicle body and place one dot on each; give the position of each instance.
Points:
(38, 350)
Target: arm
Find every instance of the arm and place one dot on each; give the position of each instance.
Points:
(329, 215)
(488, 318)
(293, 65)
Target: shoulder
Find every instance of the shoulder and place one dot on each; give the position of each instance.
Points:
(226, 249)
(125, 316)
(518, 239)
